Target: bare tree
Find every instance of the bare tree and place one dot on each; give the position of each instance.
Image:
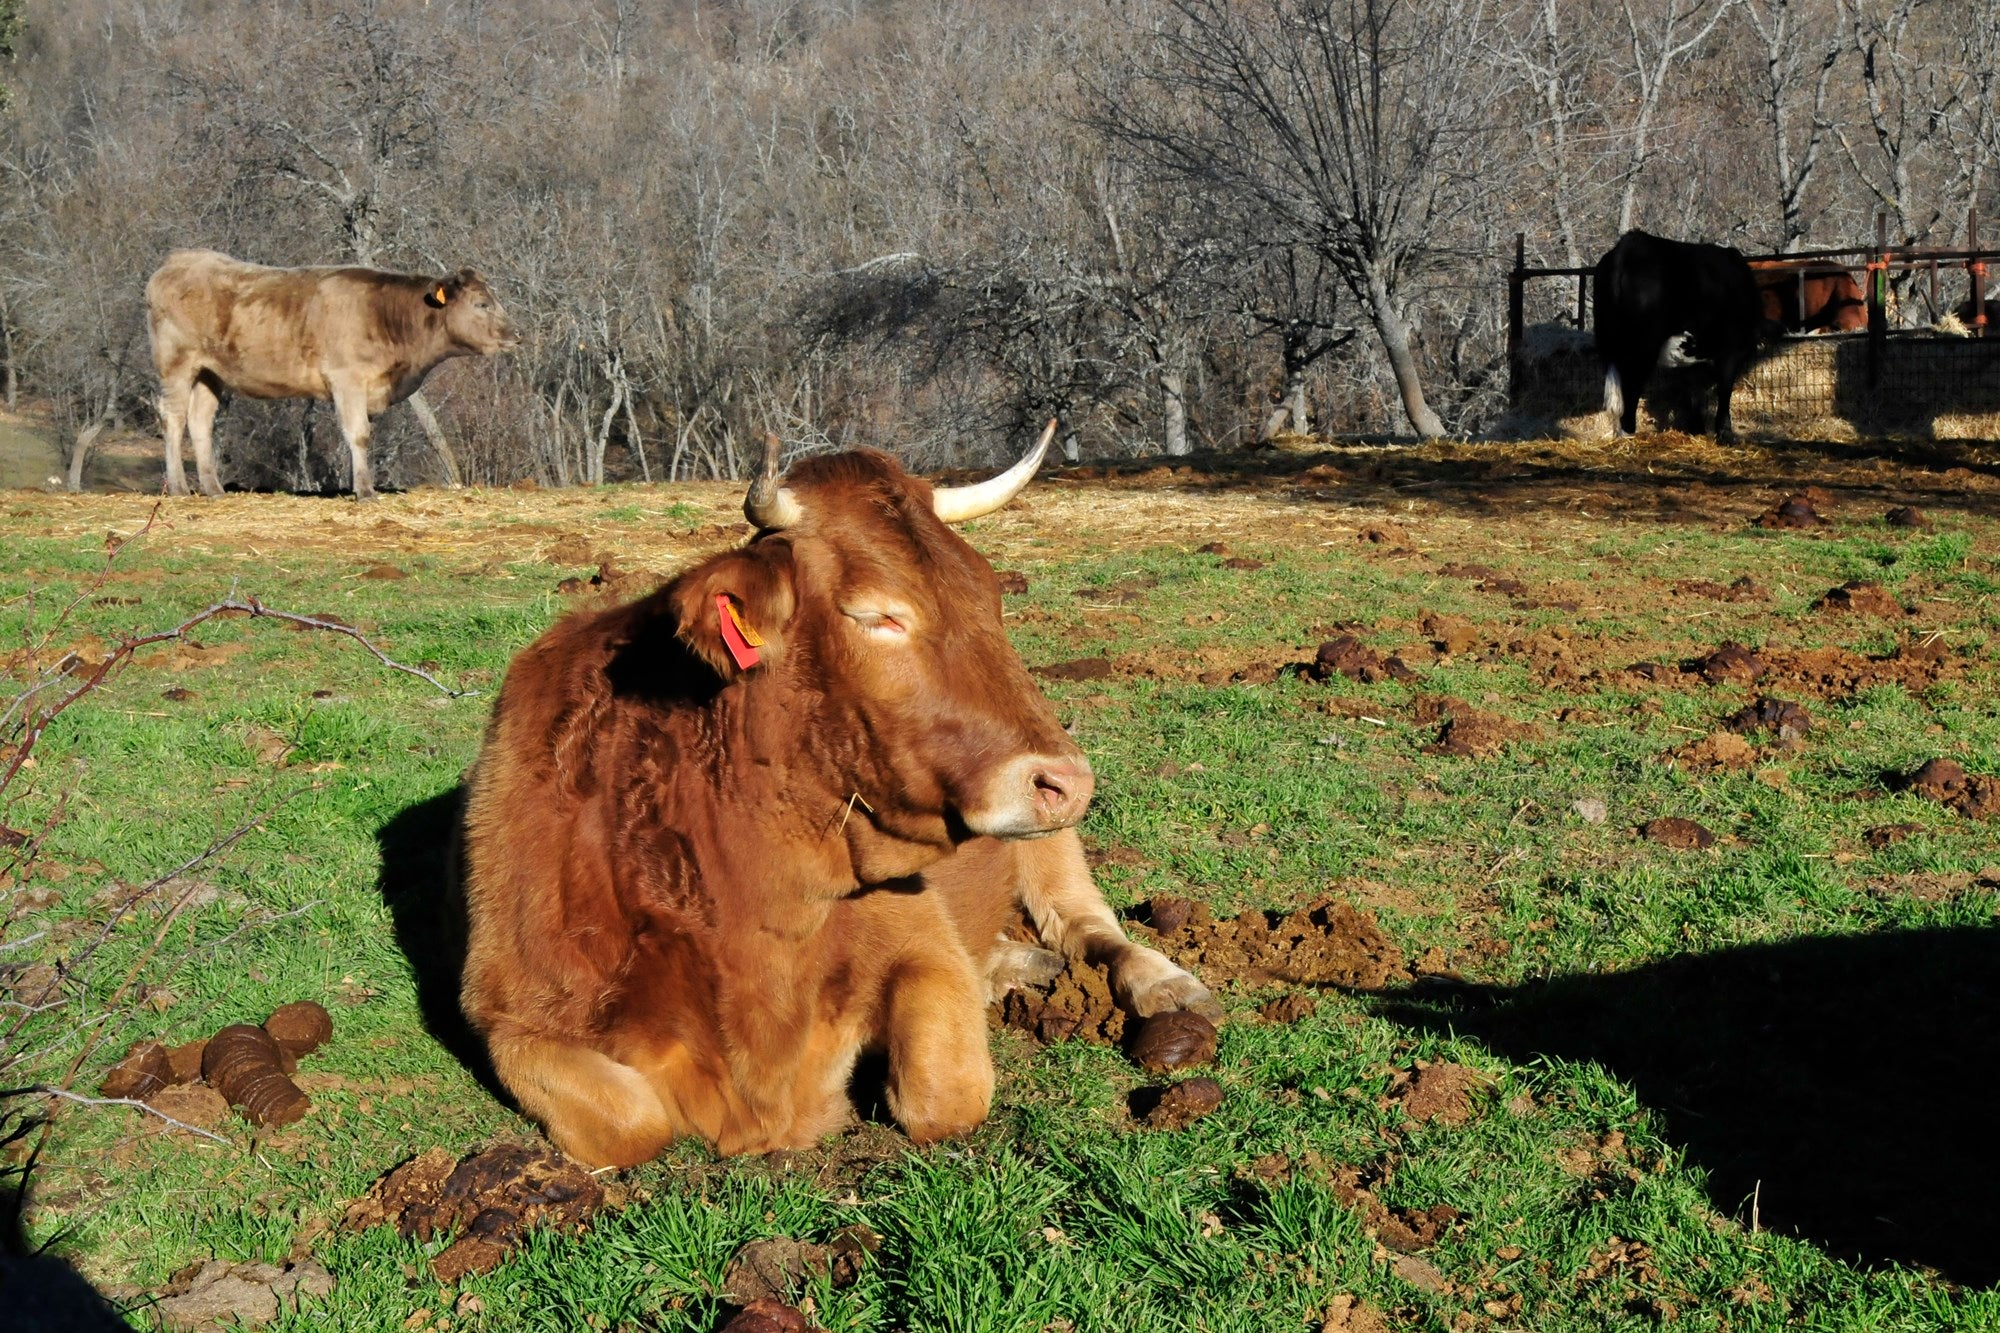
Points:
(1798, 45)
(1660, 35)
(1356, 127)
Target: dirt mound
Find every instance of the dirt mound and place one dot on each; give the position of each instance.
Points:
(1447, 1094)
(1976, 796)
(1328, 943)
(1785, 719)
(611, 580)
(1836, 673)
(1683, 835)
(491, 1199)
(1906, 516)
(1795, 511)
(1011, 580)
(777, 1269)
(1078, 1004)
(1721, 751)
(1449, 634)
(1348, 656)
(1862, 598)
(1176, 1105)
(1468, 733)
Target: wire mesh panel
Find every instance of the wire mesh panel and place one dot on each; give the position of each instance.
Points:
(1931, 385)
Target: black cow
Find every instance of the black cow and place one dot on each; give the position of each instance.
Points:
(1674, 303)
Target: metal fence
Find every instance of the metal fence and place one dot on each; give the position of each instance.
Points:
(1912, 371)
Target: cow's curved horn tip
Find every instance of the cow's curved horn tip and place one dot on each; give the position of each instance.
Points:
(770, 506)
(956, 504)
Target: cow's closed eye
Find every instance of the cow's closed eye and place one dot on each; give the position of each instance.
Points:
(888, 626)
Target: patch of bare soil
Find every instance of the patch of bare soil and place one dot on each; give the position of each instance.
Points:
(1328, 943)
(1974, 795)
(1446, 1094)
(219, 1295)
(1718, 752)
(1468, 732)
(490, 1200)
(1292, 1007)
(1830, 672)
(1862, 598)
(1082, 668)
(1351, 1314)
(1888, 835)
(612, 581)
(1744, 589)
(1176, 1105)
(1683, 835)
(1906, 516)
(1930, 886)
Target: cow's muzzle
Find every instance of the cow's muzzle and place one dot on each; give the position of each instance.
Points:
(1033, 795)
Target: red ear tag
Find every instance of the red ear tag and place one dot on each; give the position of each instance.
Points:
(738, 637)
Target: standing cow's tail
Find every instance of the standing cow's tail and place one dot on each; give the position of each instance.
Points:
(1614, 395)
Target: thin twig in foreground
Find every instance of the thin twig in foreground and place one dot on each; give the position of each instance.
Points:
(45, 1090)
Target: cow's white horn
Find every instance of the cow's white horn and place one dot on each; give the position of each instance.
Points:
(956, 504)
(770, 506)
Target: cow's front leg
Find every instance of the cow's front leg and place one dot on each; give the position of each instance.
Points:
(351, 406)
(940, 1070)
(1070, 914)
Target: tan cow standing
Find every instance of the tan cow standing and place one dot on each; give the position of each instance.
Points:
(361, 338)
(704, 874)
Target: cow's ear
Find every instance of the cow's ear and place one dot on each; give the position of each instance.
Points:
(732, 610)
(439, 295)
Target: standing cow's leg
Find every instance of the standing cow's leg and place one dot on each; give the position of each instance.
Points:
(351, 405)
(1727, 370)
(940, 1070)
(173, 420)
(1070, 915)
(203, 402)
(1633, 372)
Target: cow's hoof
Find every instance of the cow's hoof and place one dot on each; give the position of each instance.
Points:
(1016, 965)
(1182, 991)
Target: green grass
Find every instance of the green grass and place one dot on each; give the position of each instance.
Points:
(1059, 1213)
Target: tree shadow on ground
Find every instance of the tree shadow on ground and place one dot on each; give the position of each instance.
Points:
(1666, 477)
(420, 885)
(1840, 1079)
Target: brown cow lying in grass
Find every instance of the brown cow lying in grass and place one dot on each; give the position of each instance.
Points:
(723, 840)
(359, 337)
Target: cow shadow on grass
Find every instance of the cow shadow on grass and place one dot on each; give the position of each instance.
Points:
(419, 883)
(1841, 1080)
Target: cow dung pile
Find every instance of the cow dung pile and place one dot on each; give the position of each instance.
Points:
(489, 1201)
(1945, 781)
(244, 1065)
(1326, 943)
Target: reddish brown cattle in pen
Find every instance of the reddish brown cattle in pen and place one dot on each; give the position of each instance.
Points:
(1820, 302)
(722, 840)
(360, 338)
